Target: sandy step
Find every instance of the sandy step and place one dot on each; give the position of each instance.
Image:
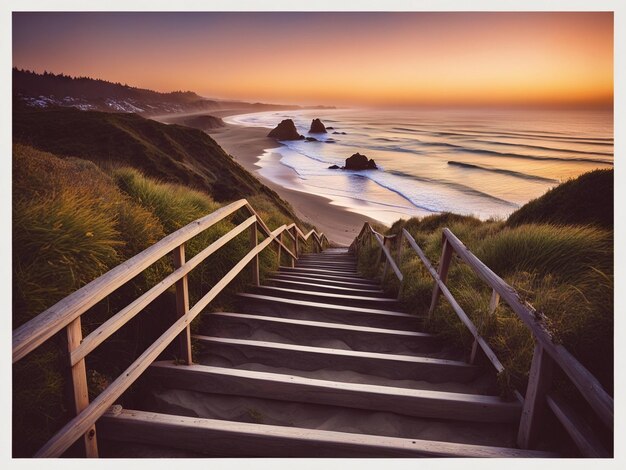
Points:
(310, 358)
(372, 285)
(318, 311)
(321, 287)
(325, 275)
(409, 402)
(327, 297)
(326, 417)
(320, 334)
(350, 272)
(327, 264)
(221, 438)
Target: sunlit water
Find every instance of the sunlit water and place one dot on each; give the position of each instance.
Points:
(483, 163)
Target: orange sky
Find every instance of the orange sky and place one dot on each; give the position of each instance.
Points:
(334, 58)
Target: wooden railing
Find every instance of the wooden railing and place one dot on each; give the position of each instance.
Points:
(539, 396)
(66, 314)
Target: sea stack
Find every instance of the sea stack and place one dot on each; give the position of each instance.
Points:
(317, 127)
(286, 130)
(359, 162)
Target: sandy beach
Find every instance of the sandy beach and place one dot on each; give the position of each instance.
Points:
(247, 144)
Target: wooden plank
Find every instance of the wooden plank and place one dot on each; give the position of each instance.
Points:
(35, 332)
(371, 286)
(182, 306)
(539, 381)
(317, 287)
(100, 334)
(389, 258)
(220, 438)
(301, 357)
(324, 296)
(409, 402)
(79, 387)
(399, 334)
(442, 274)
(328, 306)
(69, 433)
(581, 433)
(585, 382)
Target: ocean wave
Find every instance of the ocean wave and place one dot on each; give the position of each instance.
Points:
(457, 186)
(503, 172)
(541, 147)
(463, 148)
(504, 134)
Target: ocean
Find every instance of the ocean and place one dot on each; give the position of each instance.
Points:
(473, 162)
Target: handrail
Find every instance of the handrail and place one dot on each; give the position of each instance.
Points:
(67, 312)
(546, 350)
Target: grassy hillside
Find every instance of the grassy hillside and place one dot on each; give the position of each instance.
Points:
(171, 153)
(550, 251)
(72, 222)
(587, 199)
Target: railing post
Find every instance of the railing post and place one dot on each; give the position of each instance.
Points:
(386, 244)
(444, 265)
(254, 264)
(493, 304)
(79, 386)
(295, 241)
(182, 306)
(399, 258)
(280, 248)
(539, 381)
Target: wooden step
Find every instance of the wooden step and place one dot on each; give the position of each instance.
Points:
(321, 287)
(410, 402)
(325, 269)
(318, 311)
(326, 297)
(324, 275)
(309, 358)
(325, 281)
(327, 264)
(314, 333)
(219, 438)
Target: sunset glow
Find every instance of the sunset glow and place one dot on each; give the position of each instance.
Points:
(540, 59)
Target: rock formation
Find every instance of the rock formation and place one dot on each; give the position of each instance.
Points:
(286, 130)
(311, 139)
(317, 127)
(357, 162)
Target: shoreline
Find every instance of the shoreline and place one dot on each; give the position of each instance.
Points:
(247, 144)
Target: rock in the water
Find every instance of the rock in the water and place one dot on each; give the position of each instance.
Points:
(311, 139)
(317, 127)
(286, 130)
(334, 167)
(330, 141)
(329, 128)
(360, 162)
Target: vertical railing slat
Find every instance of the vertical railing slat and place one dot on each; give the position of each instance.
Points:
(539, 381)
(182, 306)
(79, 386)
(444, 265)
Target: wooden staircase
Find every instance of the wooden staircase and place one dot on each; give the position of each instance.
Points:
(317, 362)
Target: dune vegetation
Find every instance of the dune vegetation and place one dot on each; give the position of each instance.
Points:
(563, 268)
(73, 221)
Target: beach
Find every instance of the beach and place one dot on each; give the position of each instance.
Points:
(247, 144)
(481, 164)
